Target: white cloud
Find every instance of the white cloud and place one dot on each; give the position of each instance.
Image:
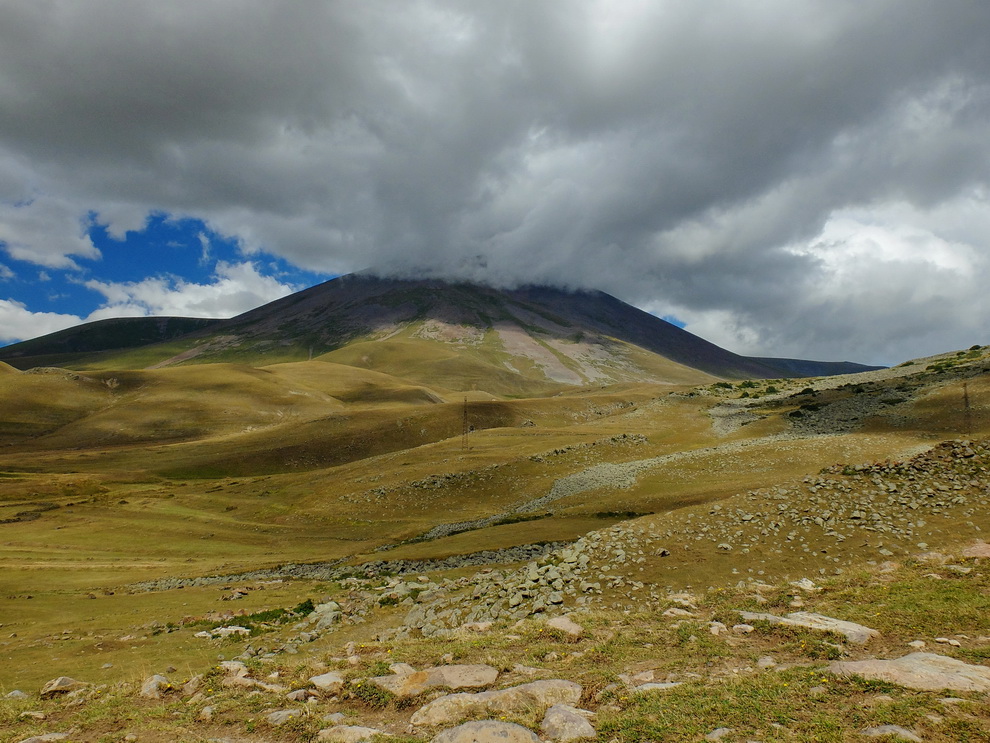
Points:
(17, 322)
(46, 231)
(5, 273)
(692, 155)
(235, 288)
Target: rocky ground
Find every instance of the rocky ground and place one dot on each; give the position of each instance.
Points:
(837, 619)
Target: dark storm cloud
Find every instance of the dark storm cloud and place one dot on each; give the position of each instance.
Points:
(686, 156)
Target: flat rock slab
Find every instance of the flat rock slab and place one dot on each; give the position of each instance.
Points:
(536, 695)
(564, 724)
(567, 625)
(330, 682)
(979, 549)
(891, 731)
(855, 633)
(487, 731)
(453, 677)
(922, 671)
(349, 734)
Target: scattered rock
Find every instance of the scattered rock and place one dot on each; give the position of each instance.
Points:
(234, 668)
(453, 677)
(655, 686)
(282, 716)
(979, 549)
(15, 694)
(536, 695)
(895, 731)
(153, 687)
(487, 731)
(565, 723)
(349, 734)
(61, 685)
(250, 683)
(478, 626)
(330, 682)
(46, 738)
(855, 633)
(566, 625)
(922, 671)
(718, 733)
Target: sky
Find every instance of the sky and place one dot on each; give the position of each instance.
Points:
(799, 178)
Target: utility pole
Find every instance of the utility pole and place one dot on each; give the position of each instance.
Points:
(969, 417)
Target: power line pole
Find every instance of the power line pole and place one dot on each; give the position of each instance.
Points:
(969, 417)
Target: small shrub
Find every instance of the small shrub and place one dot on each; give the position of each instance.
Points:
(372, 695)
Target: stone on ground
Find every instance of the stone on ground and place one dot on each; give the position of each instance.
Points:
(46, 738)
(282, 716)
(330, 682)
(894, 731)
(564, 723)
(61, 685)
(153, 687)
(566, 625)
(349, 734)
(536, 695)
(718, 734)
(855, 633)
(921, 671)
(487, 731)
(453, 677)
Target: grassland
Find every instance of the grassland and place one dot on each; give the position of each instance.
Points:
(113, 476)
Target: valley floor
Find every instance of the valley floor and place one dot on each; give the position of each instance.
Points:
(346, 538)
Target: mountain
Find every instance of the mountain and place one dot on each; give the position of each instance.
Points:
(91, 338)
(456, 336)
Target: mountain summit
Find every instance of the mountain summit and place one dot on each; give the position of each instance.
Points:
(456, 335)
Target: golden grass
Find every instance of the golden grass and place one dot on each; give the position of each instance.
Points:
(220, 468)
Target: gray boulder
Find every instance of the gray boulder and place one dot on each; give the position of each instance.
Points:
(565, 723)
(536, 695)
(282, 716)
(349, 734)
(153, 687)
(922, 671)
(892, 731)
(61, 685)
(487, 731)
(453, 677)
(331, 682)
(855, 633)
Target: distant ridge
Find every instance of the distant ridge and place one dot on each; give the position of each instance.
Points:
(461, 335)
(112, 334)
(801, 368)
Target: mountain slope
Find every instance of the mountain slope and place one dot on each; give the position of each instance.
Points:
(534, 340)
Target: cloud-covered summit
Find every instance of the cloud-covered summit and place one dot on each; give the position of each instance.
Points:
(796, 177)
